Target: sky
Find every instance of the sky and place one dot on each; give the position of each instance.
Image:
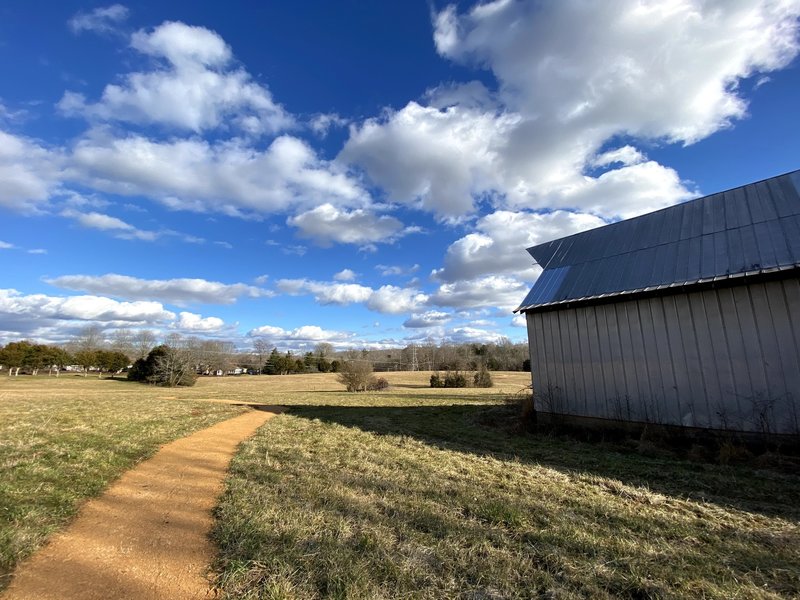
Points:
(367, 174)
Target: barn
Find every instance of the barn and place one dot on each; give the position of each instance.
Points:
(686, 316)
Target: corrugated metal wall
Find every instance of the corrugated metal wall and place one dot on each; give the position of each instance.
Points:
(724, 358)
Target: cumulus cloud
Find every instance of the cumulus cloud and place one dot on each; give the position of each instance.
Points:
(229, 177)
(197, 323)
(100, 20)
(193, 88)
(326, 224)
(387, 299)
(181, 292)
(38, 307)
(29, 173)
(303, 338)
(493, 290)
(322, 123)
(571, 77)
(498, 244)
(345, 275)
(430, 318)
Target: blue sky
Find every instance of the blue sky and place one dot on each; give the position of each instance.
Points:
(364, 174)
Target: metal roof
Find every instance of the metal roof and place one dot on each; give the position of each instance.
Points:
(741, 232)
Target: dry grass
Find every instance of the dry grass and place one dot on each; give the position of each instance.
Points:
(410, 494)
(64, 440)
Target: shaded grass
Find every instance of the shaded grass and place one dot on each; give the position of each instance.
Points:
(64, 440)
(419, 498)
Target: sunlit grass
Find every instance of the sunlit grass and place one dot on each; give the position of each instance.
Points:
(409, 494)
(64, 440)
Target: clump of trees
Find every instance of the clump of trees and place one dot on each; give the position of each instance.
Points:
(458, 379)
(32, 358)
(357, 376)
(166, 366)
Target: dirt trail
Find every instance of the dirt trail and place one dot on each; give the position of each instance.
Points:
(146, 536)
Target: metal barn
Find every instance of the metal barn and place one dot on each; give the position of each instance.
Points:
(688, 316)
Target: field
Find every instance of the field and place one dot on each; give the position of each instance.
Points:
(416, 493)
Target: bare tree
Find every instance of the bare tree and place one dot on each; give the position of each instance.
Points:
(143, 341)
(261, 349)
(122, 341)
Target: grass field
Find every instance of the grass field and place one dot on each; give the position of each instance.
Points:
(64, 440)
(418, 493)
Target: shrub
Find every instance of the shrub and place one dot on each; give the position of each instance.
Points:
(455, 379)
(355, 375)
(377, 384)
(483, 379)
(165, 366)
(436, 381)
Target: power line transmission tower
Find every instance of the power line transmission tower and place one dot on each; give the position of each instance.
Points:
(414, 364)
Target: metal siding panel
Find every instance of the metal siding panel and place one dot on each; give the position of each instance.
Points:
(670, 266)
(604, 346)
(558, 358)
(768, 341)
(717, 361)
(575, 373)
(702, 361)
(596, 406)
(628, 358)
(617, 365)
(657, 404)
(743, 387)
(540, 376)
(742, 207)
(587, 371)
(753, 351)
(682, 261)
(671, 400)
(660, 257)
(750, 248)
(788, 352)
(688, 369)
(732, 212)
(645, 397)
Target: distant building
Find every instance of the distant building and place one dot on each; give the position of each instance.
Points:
(689, 315)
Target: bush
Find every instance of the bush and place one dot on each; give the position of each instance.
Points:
(377, 384)
(355, 375)
(483, 379)
(452, 379)
(165, 366)
(436, 381)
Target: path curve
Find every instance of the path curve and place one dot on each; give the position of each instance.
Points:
(146, 537)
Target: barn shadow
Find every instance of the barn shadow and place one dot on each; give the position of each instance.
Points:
(483, 430)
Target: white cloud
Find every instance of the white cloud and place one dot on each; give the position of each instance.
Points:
(430, 318)
(345, 275)
(37, 251)
(396, 270)
(304, 338)
(519, 321)
(322, 123)
(5, 245)
(499, 242)
(102, 222)
(326, 224)
(100, 20)
(572, 77)
(387, 299)
(467, 335)
(181, 291)
(196, 323)
(493, 290)
(195, 90)
(38, 307)
(229, 177)
(29, 173)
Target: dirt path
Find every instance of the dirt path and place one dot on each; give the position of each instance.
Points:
(146, 536)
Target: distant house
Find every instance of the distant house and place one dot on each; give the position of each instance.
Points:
(687, 316)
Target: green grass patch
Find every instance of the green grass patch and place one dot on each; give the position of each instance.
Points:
(418, 497)
(64, 440)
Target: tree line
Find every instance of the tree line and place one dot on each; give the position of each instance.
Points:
(92, 350)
